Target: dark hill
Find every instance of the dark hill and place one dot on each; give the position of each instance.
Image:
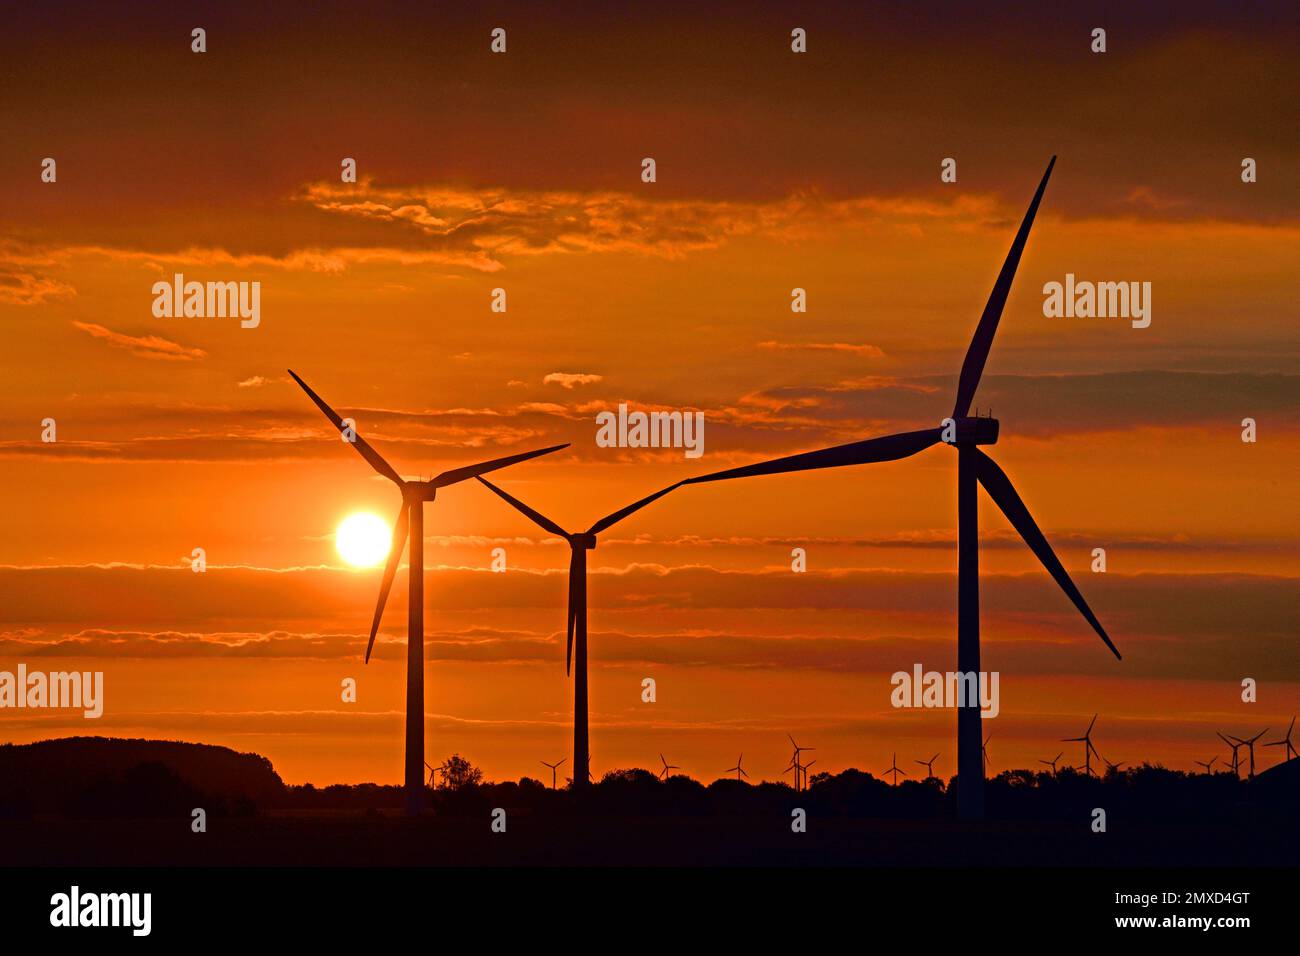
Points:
(110, 776)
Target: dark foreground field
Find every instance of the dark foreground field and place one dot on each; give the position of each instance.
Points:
(363, 839)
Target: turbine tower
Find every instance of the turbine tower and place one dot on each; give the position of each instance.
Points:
(1290, 748)
(554, 767)
(794, 762)
(579, 544)
(738, 770)
(984, 755)
(1088, 749)
(974, 469)
(929, 766)
(410, 519)
(894, 769)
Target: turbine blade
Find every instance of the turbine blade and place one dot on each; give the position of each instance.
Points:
(887, 448)
(537, 517)
(622, 513)
(999, 488)
(483, 467)
(982, 341)
(400, 528)
(375, 459)
(1092, 723)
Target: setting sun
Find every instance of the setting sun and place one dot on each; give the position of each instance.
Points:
(363, 539)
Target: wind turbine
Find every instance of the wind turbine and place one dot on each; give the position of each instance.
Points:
(1114, 767)
(1088, 749)
(1290, 749)
(579, 544)
(440, 769)
(984, 753)
(738, 769)
(554, 767)
(798, 772)
(1236, 772)
(894, 769)
(805, 772)
(1052, 763)
(974, 468)
(1249, 742)
(929, 766)
(1207, 764)
(410, 520)
(667, 766)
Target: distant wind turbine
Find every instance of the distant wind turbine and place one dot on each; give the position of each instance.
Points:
(579, 544)
(805, 772)
(929, 766)
(984, 752)
(1114, 767)
(1088, 749)
(1052, 763)
(738, 770)
(667, 766)
(1207, 764)
(554, 766)
(1290, 749)
(974, 468)
(894, 769)
(1249, 743)
(795, 762)
(410, 519)
(433, 771)
(1236, 771)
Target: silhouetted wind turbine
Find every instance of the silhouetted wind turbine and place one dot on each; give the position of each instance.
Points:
(929, 765)
(1114, 767)
(1206, 764)
(984, 753)
(1052, 763)
(798, 772)
(1249, 743)
(1088, 748)
(974, 468)
(894, 769)
(554, 766)
(1290, 749)
(738, 769)
(1236, 772)
(410, 520)
(579, 544)
(667, 766)
(433, 771)
(805, 772)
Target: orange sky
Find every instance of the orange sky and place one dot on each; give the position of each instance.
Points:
(521, 171)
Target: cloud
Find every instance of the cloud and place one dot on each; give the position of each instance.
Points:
(868, 350)
(18, 287)
(570, 379)
(145, 346)
(255, 381)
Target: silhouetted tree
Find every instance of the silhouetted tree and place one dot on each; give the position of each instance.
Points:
(460, 773)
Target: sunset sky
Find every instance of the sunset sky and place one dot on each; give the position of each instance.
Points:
(522, 171)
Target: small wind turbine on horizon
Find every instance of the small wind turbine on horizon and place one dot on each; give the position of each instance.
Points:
(1290, 749)
(579, 544)
(554, 766)
(667, 766)
(1207, 764)
(974, 468)
(1088, 749)
(1112, 767)
(410, 521)
(796, 764)
(1236, 765)
(894, 769)
(1052, 763)
(929, 766)
(738, 769)
(1249, 743)
(984, 752)
(433, 771)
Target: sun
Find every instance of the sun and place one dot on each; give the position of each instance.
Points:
(363, 539)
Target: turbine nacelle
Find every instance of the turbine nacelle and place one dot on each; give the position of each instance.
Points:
(976, 431)
(583, 539)
(417, 491)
